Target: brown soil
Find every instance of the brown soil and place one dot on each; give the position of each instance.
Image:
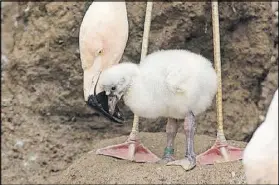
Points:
(97, 169)
(45, 124)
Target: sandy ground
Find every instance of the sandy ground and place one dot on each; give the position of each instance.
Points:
(98, 169)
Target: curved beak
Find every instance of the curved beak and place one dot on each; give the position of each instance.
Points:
(98, 100)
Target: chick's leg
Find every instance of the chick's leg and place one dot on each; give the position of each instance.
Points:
(171, 130)
(189, 162)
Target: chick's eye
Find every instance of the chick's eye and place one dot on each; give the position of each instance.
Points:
(113, 88)
(100, 52)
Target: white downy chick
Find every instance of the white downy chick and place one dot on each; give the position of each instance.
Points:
(167, 83)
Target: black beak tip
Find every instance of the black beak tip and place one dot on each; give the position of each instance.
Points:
(99, 102)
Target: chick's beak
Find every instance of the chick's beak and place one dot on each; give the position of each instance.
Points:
(112, 101)
(98, 100)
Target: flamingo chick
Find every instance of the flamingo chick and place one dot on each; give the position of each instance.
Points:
(176, 84)
(260, 157)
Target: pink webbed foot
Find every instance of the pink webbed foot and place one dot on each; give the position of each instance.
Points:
(131, 150)
(219, 154)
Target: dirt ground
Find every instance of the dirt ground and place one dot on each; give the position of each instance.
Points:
(97, 169)
(46, 127)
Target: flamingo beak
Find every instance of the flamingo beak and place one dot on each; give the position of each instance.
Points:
(100, 101)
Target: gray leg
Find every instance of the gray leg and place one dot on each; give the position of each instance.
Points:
(190, 157)
(190, 128)
(171, 130)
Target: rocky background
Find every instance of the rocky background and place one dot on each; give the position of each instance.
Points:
(45, 122)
